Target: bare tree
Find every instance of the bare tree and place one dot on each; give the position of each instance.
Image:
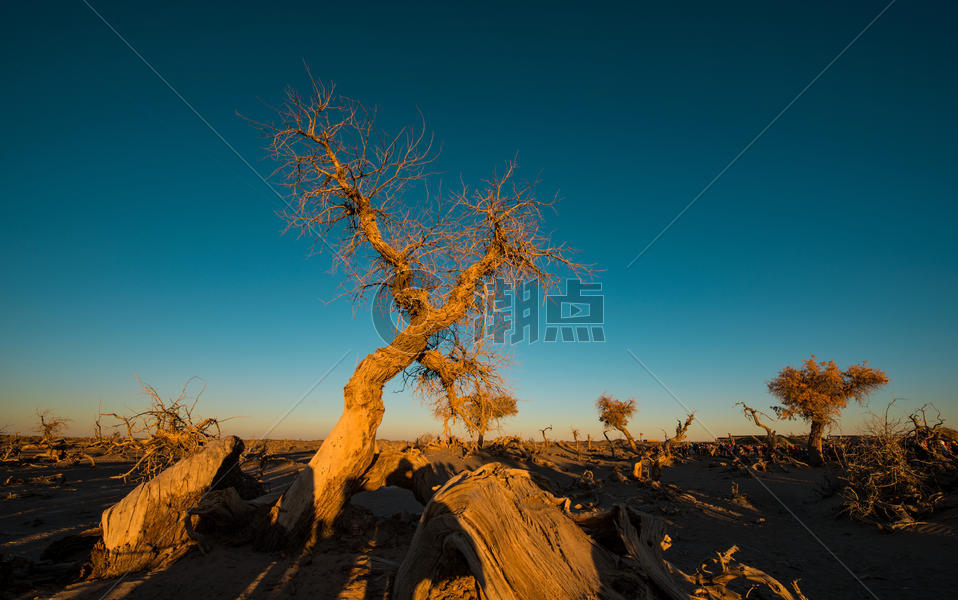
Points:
(51, 427)
(680, 430)
(348, 187)
(615, 414)
(545, 440)
(753, 415)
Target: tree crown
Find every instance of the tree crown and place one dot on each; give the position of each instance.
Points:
(349, 187)
(486, 410)
(615, 413)
(820, 390)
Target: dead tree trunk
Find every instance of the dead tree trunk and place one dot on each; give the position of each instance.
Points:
(545, 440)
(611, 445)
(308, 509)
(494, 532)
(629, 438)
(408, 469)
(149, 527)
(815, 456)
(680, 430)
(770, 438)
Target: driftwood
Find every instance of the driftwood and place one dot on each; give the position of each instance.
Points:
(644, 539)
(150, 527)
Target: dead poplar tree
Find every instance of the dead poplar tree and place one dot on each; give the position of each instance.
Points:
(753, 415)
(349, 188)
(680, 430)
(575, 436)
(605, 433)
(545, 440)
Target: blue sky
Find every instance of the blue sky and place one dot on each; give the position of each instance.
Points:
(135, 242)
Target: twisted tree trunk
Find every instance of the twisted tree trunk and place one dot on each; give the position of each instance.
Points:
(308, 509)
(770, 436)
(611, 445)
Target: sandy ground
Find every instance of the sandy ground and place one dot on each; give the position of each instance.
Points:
(782, 522)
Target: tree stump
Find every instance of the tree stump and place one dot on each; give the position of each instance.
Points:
(495, 530)
(149, 528)
(494, 534)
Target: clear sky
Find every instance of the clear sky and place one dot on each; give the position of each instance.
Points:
(133, 241)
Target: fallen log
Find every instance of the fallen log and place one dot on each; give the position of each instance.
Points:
(150, 527)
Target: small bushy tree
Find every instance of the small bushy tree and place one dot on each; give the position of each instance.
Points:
(483, 411)
(615, 414)
(818, 392)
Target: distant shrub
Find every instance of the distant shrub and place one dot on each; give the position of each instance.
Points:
(424, 440)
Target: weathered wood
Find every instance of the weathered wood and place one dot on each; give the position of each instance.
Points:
(148, 528)
(408, 468)
(516, 540)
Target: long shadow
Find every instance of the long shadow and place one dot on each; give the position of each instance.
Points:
(358, 559)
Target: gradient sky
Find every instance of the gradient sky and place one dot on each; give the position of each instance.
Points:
(135, 242)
